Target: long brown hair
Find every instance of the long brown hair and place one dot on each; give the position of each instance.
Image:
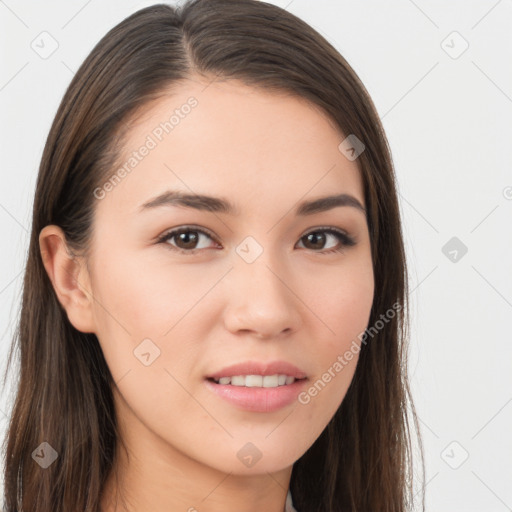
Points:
(363, 460)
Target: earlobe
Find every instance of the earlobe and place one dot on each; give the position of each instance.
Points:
(68, 276)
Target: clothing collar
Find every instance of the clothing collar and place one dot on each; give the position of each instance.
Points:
(289, 503)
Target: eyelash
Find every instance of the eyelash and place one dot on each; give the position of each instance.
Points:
(346, 240)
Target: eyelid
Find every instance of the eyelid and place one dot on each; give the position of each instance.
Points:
(327, 228)
(345, 238)
(189, 227)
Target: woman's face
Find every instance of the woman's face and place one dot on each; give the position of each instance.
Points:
(241, 287)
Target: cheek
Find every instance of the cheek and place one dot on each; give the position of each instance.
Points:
(341, 309)
(148, 296)
(341, 301)
(151, 307)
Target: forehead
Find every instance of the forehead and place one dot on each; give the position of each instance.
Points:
(232, 140)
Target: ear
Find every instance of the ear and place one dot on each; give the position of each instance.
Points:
(69, 277)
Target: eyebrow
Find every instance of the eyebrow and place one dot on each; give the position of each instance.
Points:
(221, 205)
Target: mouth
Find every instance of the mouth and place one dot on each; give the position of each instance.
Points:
(251, 373)
(258, 386)
(256, 381)
(264, 397)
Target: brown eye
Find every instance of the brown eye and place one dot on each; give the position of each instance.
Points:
(186, 240)
(316, 240)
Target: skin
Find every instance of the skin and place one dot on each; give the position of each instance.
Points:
(264, 152)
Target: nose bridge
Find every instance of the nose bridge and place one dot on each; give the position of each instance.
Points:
(259, 297)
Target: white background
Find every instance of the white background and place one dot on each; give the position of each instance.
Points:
(449, 124)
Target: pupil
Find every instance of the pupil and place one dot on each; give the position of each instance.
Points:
(316, 237)
(184, 237)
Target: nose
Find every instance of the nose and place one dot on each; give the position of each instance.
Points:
(260, 300)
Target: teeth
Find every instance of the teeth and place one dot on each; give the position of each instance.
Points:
(257, 381)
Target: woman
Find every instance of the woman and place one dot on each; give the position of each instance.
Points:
(215, 215)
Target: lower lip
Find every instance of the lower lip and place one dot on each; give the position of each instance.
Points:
(258, 399)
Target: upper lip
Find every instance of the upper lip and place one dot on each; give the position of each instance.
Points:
(259, 368)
